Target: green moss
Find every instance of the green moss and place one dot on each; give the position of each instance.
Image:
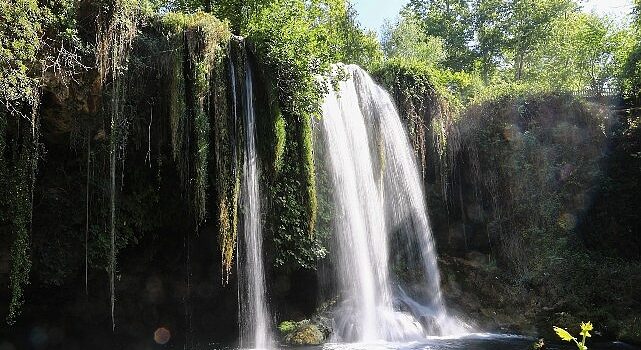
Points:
(307, 335)
(227, 153)
(198, 41)
(289, 50)
(286, 327)
(20, 208)
(177, 111)
(303, 332)
(281, 137)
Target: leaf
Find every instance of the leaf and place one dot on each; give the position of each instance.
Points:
(563, 334)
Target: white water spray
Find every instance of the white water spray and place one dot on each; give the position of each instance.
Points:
(364, 135)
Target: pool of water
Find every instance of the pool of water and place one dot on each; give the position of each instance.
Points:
(480, 341)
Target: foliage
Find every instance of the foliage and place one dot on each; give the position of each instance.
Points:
(405, 39)
(519, 159)
(199, 109)
(631, 70)
(585, 333)
(452, 22)
(21, 26)
(549, 44)
(294, 42)
(286, 327)
(199, 39)
(19, 191)
(20, 31)
(609, 225)
(525, 24)
(583, 51)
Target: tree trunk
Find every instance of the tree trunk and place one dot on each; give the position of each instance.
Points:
(519, 66)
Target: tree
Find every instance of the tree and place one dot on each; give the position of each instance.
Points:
(490, 26)
(582, 51)
(529, 23)
(406, 39)
(452, 21)
(631, 71)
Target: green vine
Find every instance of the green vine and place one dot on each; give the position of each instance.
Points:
(19, 158)
(198, 39)
(20, 207)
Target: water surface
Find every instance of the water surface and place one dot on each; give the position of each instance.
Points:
(479, 341)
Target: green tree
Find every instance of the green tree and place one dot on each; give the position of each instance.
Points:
(529, 24)
(452, 21)
(582, 51)
(406, 39)
(20, 32)
(490, 22)
(347, 42)
(630, 78)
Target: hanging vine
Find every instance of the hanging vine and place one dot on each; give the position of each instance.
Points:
(18, 170)
(116, 32)
(429, 118)
(228, 155)
(19, 136)
(197, 42)
(198, 95)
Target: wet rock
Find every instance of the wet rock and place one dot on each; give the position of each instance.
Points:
(302, 333)
(430, 324)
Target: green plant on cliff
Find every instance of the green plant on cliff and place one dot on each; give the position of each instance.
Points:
(199, 41)
(17, 171)
(21, 25)
(20, 31)
(116, 32)
(585, 333)
(294, 42)
(201, 127)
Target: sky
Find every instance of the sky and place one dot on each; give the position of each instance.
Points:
(373, 13)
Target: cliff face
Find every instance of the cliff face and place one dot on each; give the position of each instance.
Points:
(126, 199)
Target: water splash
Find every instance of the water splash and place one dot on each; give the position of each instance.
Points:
(377, 191)
(253, 305)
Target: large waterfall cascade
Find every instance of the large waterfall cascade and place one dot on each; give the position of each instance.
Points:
(378, 194)
(254, 315)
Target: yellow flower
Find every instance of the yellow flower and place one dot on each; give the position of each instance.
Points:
(585, 328)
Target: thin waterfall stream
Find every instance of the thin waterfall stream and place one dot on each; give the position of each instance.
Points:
(379, 198)
(254, 320)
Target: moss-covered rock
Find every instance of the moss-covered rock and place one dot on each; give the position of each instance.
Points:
(304, 332)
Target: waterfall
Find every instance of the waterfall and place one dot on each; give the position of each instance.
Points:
(378, 194)
(254, 321)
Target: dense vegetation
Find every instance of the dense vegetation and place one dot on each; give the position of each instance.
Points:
(121, 140)
(524, 163)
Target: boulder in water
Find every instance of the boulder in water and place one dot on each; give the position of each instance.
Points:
(302, 333)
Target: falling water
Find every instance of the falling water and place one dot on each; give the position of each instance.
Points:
(254, 315)
(378, 191)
